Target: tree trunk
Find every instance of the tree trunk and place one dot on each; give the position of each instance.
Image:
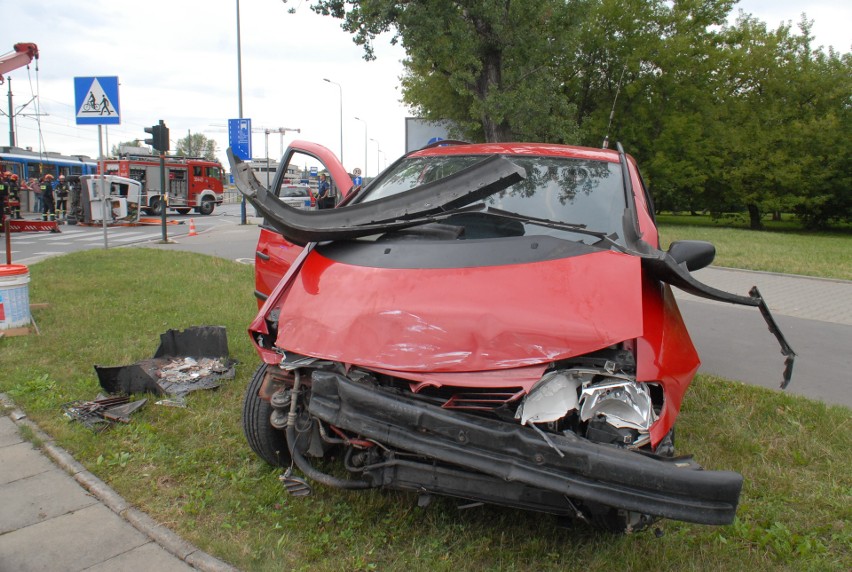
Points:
(491, 78)
(754, 217)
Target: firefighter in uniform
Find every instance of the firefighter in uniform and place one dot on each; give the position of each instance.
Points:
(61, 192)
(14, 198)
(4, 195)
(48, 210)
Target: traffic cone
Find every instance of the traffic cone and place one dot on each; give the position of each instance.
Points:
(192, 228)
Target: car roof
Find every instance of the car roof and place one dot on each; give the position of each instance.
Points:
(519, 149)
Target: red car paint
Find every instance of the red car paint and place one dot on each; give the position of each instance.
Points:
(274, 254)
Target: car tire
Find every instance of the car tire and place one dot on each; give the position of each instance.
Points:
(156, 207)
(207, 206)
(183, 211)
(269, 443)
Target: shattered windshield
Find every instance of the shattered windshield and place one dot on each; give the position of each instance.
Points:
(566, 190)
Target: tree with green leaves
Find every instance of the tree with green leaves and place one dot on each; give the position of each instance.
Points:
(721, 117)
(196, 145)
(787, 117)
(487, 66)
(644, 75)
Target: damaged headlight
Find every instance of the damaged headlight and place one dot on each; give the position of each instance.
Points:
(618, 405)
(553, 397)
(609, 407)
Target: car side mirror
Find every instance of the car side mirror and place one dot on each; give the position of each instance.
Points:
(696, 253)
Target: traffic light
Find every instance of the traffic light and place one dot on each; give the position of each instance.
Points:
(159, 137)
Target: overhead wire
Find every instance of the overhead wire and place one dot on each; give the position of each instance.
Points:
(35, 94)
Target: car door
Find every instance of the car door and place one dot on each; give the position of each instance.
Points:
(301, 164)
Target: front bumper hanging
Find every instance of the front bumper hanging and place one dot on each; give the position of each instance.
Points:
(669, 488)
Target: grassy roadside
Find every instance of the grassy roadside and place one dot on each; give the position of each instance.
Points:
(826, 255)
(192, 470)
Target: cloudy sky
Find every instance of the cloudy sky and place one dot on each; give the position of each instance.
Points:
(177, 61)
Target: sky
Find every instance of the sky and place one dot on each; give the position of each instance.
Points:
(177, 61)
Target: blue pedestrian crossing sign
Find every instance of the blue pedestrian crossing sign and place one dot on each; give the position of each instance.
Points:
(96, 100)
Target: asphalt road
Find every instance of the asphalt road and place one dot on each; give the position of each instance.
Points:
(31, 247)
(733, 342)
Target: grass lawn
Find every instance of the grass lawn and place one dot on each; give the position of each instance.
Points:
(192, 470)
(777, 249)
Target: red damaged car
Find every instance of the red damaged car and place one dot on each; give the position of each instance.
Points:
(493, 322)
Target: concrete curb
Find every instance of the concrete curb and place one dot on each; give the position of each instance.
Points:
(163, 536)
(781, 274)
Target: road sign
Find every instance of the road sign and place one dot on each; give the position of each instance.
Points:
(420, 132)
(313, 171)
(239, 138)
(96, 100)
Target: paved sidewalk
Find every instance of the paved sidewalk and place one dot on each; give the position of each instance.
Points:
(820, 299)
(55, 516)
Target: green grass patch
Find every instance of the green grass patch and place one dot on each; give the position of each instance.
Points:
(777, 249)
(192, 470)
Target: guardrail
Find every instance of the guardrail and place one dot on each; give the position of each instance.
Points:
(231, 196)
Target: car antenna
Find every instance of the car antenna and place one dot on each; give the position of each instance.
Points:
(612, 111)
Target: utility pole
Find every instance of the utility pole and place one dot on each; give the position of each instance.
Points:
(11, 116)
(12, 139)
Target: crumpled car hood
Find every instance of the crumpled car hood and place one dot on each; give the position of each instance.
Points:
(460, 319)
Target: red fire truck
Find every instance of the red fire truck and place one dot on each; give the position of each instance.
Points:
(192, 183)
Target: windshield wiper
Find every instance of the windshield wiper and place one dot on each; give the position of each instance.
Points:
(555, 224)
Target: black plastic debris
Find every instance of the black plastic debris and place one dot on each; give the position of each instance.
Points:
(189, 360)
(101, 413)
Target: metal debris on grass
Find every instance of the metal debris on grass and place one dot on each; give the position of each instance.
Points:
(103, 412)
(182, 375)
(178, 401)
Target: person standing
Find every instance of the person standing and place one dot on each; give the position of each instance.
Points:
(4, 195)
(48, 210)
(32, 185)
(14, 196)
(61, 193)
(324, 198)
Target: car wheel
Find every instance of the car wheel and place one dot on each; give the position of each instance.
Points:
(207, 206)
(157, 207)
(183, 211)
(268, 443)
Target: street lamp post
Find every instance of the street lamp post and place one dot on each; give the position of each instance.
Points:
(341, 115)
(266, 150)
(240, 100)
(378, 150)
(365, 145)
